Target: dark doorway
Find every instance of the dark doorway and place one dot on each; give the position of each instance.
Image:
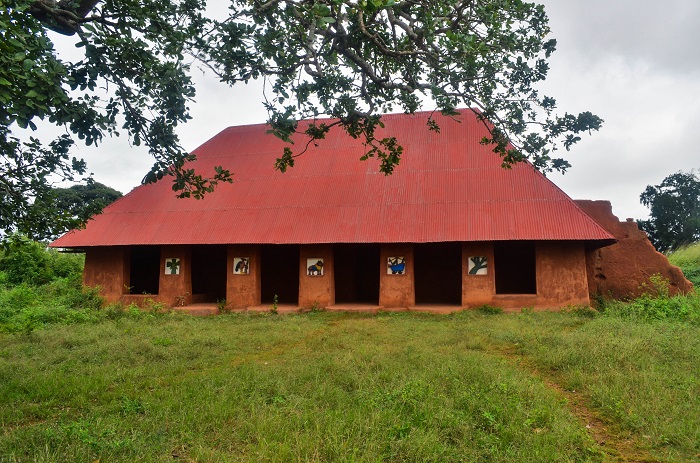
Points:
(144, 270)
(208, 273)
(514, 264)
(438, 273)
(279, 273)
(356, 270)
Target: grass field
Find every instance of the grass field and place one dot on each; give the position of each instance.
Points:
(688, 259)
(404, 387)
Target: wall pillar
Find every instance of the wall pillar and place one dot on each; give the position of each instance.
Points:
(396, 290)
(107, 267)
(175, 289)
(561, 274)
(318, 290)
(243, 289)
(478, 289)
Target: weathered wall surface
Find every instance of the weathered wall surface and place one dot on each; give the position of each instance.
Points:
(561, 274)
(316, 290)
(108, 269)
(478, 289)
(243, 290)
(561, 277)
(175, 290)
(396, 290)
(619, 270)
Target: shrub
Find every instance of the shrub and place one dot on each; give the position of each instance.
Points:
(18, 298)
(69, 292)
(65, 265)
(489, 309)
(685, 308)
(29, 262)
(25, 261)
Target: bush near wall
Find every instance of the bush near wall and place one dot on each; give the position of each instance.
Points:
(24, 261)
(39, 286)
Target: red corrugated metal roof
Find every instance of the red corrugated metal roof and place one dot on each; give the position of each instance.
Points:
(448, 187)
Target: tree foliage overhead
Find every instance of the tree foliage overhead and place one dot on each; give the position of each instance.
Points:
(350, 60)
(675, 211)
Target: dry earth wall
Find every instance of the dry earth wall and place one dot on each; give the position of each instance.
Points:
(620, 270)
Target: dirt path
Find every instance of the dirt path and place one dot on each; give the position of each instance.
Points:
(616, 447)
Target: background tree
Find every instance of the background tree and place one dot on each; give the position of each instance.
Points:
(62, 209)
(348, 59)
(675, 211)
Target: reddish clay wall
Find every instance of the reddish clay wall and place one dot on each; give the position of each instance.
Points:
(619, 270)
(107, 268)
(316, 290)
(561, 277)
(243, 290)
(560, 274)
(477, 289)
(396, 290)
(175, 290)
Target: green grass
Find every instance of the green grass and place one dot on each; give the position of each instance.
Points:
(688, 259)
(24, 308)
(641, 376)
(341, 387)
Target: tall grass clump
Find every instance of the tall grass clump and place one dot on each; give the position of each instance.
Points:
(657, 304)
(688, 259)
(24, 308)
(39, 286)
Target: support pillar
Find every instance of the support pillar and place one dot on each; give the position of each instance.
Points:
(107, 267)
(316, 289)
(175, 289)
(480, 288)
(396, 289)
(243, 285)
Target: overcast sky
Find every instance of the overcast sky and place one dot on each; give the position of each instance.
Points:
(636, 64)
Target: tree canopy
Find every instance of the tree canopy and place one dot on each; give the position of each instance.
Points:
(62, 209)
(347, 59)
(674, 219)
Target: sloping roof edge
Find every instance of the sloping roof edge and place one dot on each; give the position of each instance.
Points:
(448, 187)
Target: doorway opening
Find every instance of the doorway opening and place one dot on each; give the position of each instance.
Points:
(279, 273)
(515, 269)
(144, 270)
(356, 270)
(438, 273)
(209, 271)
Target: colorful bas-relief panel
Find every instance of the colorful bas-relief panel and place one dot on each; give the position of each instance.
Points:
(241, 265)
(314, 267)
(477, 265)
(172, 266)
(396, 265)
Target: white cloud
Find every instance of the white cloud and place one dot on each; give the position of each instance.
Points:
(634, 65)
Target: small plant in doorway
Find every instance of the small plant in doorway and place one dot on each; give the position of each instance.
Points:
(316, 307)
(275, 302)
(222, 306)
(489, 310)
(181, 301)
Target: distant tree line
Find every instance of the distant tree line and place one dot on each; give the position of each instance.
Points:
(674, 218)
(61, 209)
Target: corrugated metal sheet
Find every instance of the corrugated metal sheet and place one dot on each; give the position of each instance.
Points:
(447, 187)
